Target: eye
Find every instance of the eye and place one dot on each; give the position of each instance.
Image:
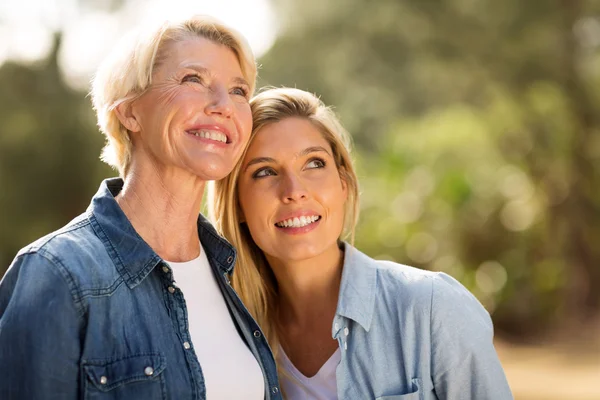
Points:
(262, 172)
(193, 78)
(315, 163)
(240, 91)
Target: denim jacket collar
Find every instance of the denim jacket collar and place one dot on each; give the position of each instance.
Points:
(132, 256)
(357, 290)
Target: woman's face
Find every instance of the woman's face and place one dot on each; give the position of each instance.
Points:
(195, 116)
(291, 194)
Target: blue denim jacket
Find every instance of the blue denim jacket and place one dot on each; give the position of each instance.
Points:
(92, 312)
(409, 334)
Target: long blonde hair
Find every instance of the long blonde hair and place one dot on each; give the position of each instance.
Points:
(253, 278)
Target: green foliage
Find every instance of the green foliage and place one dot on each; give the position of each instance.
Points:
(476, 124)
(477, 138)
(49, 149)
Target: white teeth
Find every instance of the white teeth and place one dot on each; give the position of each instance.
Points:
(212, 135)
(297, 222)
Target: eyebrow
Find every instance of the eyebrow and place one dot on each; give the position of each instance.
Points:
(305, 152)
(205, 71)
(241, 81)
(197, 68)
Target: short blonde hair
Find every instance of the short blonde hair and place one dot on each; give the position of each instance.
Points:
(127, 72)
(253, 279)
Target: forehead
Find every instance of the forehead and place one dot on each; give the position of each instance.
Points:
(200, 52)
(288, 136)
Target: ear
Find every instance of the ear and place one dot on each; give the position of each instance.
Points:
(126, 116)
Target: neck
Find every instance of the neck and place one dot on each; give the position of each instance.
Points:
(308, 289)
(163, 207)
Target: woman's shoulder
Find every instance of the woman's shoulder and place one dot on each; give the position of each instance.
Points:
(409, 283)
(74, 252)
(390, 273)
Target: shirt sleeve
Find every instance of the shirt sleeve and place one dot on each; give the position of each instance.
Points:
(40, 328)
(464, 361)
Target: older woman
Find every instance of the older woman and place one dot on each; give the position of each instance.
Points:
(344, 325)
(131, 300)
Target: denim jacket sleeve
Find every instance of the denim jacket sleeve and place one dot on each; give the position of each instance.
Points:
(40, 328)
(464, 361)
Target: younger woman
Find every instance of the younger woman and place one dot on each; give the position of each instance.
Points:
(343, 325)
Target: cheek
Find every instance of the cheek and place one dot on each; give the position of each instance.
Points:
(336, 197)
(245, 121)
(157, 107)
(253, 208)
(247, 206)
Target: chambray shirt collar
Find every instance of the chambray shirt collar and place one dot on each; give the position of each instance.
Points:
(357, 291)
(134, 259)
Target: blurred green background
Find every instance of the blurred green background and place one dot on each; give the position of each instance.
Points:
(477, 139)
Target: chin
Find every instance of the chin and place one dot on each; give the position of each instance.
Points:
(301, 253)
(212, 171)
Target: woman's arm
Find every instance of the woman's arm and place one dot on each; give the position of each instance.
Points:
(40, 331)
(464, 361)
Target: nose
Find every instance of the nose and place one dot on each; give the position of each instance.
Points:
(220, 103)
(293, 189)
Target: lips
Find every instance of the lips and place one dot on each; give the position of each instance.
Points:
(216, 132)
(298, 222)
(212, 135)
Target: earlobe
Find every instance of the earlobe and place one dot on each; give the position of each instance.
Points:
(125, 114)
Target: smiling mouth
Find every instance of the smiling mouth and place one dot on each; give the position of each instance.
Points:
(211, 135)
(298, 222)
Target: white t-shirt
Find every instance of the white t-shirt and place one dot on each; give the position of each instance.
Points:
(322, 386)
(229, 367)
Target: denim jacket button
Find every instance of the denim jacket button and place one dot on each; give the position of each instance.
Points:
(149, 371)
(186, 345)
(229, 259)
(346, 331)
(103, 380)
(256, 334)
(165, 269)
(275, 390)
(171, 289)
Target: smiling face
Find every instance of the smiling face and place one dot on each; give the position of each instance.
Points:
(291, 195)
(195, 115)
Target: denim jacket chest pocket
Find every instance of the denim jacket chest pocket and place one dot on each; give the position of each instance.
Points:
(136, 376)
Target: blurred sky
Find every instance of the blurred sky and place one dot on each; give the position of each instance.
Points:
(89, 28)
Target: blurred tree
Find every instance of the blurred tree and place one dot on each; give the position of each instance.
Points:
(477, 128)
(49, 148)
(476, 125)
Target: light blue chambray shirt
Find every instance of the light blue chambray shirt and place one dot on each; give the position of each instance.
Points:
(410, 334)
